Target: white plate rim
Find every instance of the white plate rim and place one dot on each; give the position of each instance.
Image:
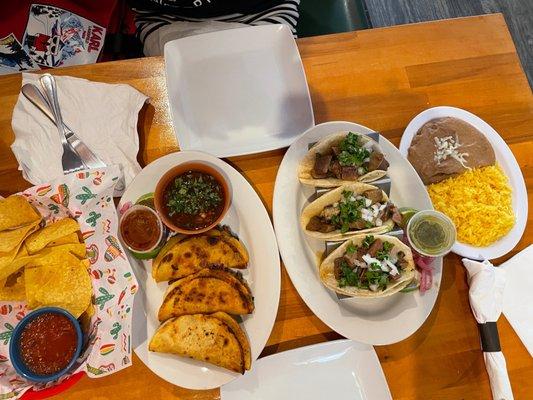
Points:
(325, 309)
(505, 159)
(218, 376)
(266, 144)
(366, 352)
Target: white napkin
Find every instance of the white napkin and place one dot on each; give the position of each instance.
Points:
(487, 284)
(104, 116)
(518, 295)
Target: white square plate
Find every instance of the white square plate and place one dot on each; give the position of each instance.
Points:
(333, 370)
(238, 91)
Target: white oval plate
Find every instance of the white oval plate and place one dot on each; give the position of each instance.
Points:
(505, 159)
(342, 369)
(248, 218)
(372, 321)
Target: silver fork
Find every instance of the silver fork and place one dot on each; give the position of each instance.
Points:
(70, 160)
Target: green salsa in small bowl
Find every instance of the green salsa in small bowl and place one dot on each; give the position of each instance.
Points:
(431, 233)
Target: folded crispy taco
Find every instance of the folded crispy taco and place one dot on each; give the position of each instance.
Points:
(183, 255)
(342, 158)
(368, 266)
(349, 210)
(214, 338)
(207, 291)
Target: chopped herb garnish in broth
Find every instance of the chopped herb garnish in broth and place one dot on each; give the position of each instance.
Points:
(194, 200)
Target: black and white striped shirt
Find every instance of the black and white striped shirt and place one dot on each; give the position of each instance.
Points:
(153, 14)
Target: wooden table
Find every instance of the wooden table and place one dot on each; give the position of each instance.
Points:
(380, 78)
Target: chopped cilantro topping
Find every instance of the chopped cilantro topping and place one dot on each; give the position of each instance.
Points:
(367, 241)
(193, 194)
(352, 153)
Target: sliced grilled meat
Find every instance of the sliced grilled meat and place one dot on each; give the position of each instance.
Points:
(349, 173)
(350, 259)
(335, 168)
(359, 224)
(321, 168)
(315, 224)
(336, 150)
(376, 246)
(337, 270)
(361, 251)
(375, 160)
(384, 165)
(402, 262)
(375, 195)
(396, 216)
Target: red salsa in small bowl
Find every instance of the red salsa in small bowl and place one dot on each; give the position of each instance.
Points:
(192, 198)
(48, 343)
(140, 228)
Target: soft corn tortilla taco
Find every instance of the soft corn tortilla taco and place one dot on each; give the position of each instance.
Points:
(349, 210)
(345, 269)
(338, 159)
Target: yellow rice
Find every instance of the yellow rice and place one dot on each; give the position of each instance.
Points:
(478, 202)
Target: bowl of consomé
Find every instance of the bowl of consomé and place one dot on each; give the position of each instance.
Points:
(192, 197)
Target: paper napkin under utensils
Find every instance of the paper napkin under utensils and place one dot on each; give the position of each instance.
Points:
(487, 285)
(104, 116)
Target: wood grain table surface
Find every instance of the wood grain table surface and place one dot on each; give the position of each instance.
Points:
(380, 78)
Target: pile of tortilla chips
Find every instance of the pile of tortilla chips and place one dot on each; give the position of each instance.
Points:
(42, 266)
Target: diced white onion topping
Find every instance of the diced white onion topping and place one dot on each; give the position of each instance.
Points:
(393, 269)
(448, 147)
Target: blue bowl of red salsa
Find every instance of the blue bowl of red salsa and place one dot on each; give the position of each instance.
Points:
(45, 344)
(192, 198)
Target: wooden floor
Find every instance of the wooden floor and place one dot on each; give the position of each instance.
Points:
(518, 15)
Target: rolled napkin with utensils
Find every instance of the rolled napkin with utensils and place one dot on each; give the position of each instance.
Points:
(487, 284)
(103, 116)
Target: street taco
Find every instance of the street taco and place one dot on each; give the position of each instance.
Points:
(369, 266)
(340, 158)
(349, 210)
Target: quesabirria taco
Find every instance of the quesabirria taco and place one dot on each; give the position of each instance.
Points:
(342, 158)
(349, 210)
(369, 266)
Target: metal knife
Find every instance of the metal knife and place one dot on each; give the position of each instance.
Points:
(34, 95)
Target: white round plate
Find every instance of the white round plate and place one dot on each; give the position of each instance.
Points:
(246, 217)
(371, 321)
(504, 158)
(342, 369)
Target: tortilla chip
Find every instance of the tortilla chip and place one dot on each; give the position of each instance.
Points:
(16, 264)
(9, 239)
(7, 261)
(38, 240)
(67, 239)
(77, 249)
(12, 288)
(62, 281)
(16, 211)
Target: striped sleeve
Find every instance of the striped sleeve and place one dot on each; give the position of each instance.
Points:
(286, 13)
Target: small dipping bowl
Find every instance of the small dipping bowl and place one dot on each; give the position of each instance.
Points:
(15, 351)
(139, 252)
(170, 175)
(431, 233)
